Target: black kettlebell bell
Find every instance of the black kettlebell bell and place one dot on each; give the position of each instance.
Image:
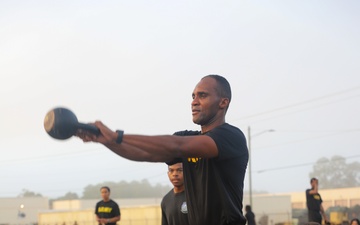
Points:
(61, 123)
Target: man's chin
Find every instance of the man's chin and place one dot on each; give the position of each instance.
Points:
(197, 121)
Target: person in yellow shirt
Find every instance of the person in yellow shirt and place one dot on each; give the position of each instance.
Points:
(107, 211)
(314, 203)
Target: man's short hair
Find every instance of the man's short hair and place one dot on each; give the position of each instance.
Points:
(223, 87)
(312, 179)
(106, 187)
(174, 161)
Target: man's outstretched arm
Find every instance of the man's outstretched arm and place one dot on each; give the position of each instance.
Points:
(153, 148)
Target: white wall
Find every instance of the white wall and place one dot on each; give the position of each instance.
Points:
(276, 207)
(90, 203)
(10, 208)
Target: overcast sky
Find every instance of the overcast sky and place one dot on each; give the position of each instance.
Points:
(293, 67)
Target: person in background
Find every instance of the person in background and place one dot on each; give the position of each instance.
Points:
(355, 221)
(314, 203)
(107, 211)
(249, 215)
(173, 205)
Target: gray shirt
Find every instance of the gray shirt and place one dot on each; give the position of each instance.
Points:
(174, 209)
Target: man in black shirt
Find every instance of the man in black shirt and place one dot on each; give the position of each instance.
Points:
(107, 211)
(214, 159)
(250, 216)
(173, 205)
(314, 203)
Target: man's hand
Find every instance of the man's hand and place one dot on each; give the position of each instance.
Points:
(103, 221)
(316, 184)
(106, 136)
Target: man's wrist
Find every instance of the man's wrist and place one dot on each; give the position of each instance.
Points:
(108, 220)
(120, 134)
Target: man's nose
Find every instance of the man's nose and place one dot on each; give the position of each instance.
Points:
(175, 174)
(195, 101)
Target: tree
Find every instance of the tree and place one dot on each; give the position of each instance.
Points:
(336, 173)
(123, 189)
(27, 193)
(69, 196)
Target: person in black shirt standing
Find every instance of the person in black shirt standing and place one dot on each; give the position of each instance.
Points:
(249, 215)
(314, 203)
(214, 159)
(173, 205)
(107, 211)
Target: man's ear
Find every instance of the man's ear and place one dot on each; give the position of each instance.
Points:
(224, 103)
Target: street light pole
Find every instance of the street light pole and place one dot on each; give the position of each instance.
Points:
(249, 163)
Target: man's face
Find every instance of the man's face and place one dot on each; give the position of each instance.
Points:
(105, 194)
(314, 183)
(175, 173)
(206, 101)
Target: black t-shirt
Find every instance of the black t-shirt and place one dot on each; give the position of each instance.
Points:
(250, 217)
(214, 186)
(107, 210)
(313, 201)
(174, 209)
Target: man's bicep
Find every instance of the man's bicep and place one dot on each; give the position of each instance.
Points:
(199, 146)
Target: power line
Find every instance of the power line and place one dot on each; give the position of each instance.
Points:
(49, 156)
(306, 139)
(299, 165)
(315, 131)
(299, 103)
(301, 110)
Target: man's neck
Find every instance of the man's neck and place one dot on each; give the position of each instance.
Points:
(209, 127)
(178, 189)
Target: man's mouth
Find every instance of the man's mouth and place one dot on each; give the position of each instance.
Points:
(195, 111)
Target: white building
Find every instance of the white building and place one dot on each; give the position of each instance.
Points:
(21, 211)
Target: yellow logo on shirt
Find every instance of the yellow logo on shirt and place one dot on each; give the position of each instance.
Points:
(193, 160)
(104, 209)
(317, 197)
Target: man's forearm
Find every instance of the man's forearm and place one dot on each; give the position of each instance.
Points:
(314, 191)
(147, 148)
(152, 148)
(164, 148)
(322, 211)
(324, 216)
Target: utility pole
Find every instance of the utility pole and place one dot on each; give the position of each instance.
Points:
(250, 158)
